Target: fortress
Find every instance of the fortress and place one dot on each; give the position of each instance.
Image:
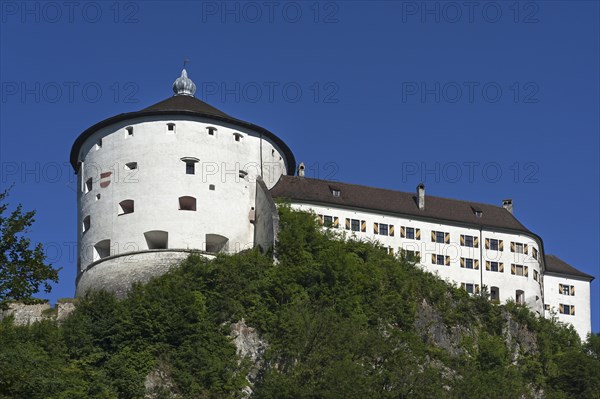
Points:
(181, 176)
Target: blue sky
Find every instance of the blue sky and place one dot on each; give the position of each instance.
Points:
(482, 102)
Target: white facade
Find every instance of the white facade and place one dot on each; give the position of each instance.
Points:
(525, 286)
(167, 183)
(568, 299)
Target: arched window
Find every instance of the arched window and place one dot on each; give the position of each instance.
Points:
(216, 243)
(520, 297)
(187, 203)
(126, 207)
(101, 250)
(157, 239)
(495, 294)
(86, 224)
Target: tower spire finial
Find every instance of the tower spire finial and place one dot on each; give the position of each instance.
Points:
(184, 86)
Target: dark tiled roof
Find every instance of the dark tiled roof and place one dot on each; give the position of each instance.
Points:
(186, 103)
(188, 106)
(397, 202)
(556, 265)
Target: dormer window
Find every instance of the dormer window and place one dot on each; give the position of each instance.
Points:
(211, 130)
(477, 211)
(335, 191)
(171, 128)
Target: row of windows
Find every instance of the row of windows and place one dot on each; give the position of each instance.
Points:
(171, 129)
(186, 203)
(437, 236)
(474, 289)
(159, 239)
(563, 308)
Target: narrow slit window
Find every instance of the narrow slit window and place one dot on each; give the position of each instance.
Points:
(86, 224)
(211, 130)
(170, 128)
(187, 203)
(126, 207)
(131, 166)
(190, 165)
(237, 136)
(129, 130)
(98, 144)
(97, 197)
(88, 185)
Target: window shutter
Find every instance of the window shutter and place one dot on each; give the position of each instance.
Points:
(391, 230)
(572, 290)
(487, 243)
(363, 226)
(561, 308)
(432, 236)
(391, 250)
(477, 288)
(376, 228)
(501, 267)
(462, 239)
(418, 254)
(501, 245)
(447, 238)
(347, 224)
(336, 222)
(525, 249)
(476, 264)
(463, 286)
(418, 234)
(513, 268)
(488, 265)
(512, 246)
(433, 259)
(572, 310)
(476, 242)
(526, 271)
(462, 262)
(560, 288)
(320, 219)
(402, 232)
(447, 263)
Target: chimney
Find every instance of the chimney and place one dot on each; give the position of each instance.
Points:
(508, 205)
(421, 196)
(301, 168)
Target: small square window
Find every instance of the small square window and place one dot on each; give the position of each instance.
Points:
(440, 259)
(129, 130)
(493, 244)
(355, 225)
(171, 127)
(211, 187)
(519, 248)
(469, 241)
(383, 229)
(211, 130)
(519, 269)
(328, 221)
(439, 237)
(469, 263)
(410, 233)
(470, 288)
(494, 266)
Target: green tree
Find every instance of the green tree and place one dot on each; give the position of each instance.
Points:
(23, 267)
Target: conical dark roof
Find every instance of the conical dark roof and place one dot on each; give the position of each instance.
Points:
(186, 103)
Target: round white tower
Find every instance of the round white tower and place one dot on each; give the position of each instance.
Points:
(175, 177)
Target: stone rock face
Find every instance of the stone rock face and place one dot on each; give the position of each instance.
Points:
(159, 385)
(518, 338)
(64, 310)
(249, 345)
(25, 314)
(430, 323)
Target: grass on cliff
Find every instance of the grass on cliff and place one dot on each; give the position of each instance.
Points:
(342, 319)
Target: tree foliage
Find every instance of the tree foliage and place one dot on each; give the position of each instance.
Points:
(23, 267)
(340, 318)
